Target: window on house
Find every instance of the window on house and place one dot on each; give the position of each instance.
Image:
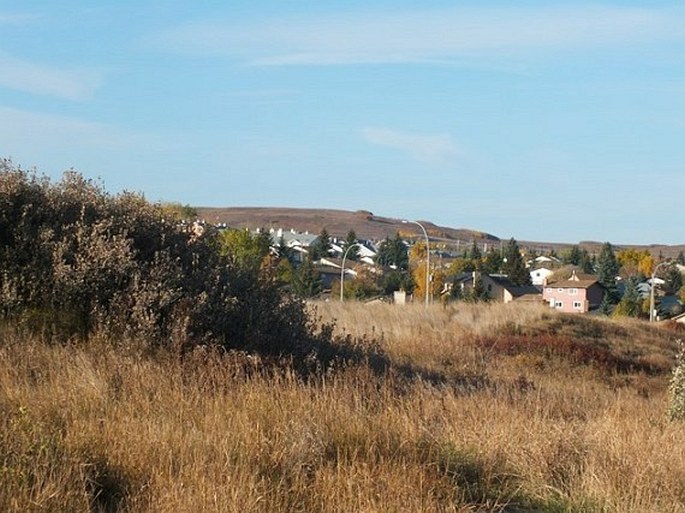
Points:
(577, 305)
(559, 304)
(549, 290)
(573, 292)
(560, 290)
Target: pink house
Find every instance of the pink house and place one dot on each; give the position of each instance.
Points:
(578, 294)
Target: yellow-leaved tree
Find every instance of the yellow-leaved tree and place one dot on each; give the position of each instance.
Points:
(634, 262)
(417, 266)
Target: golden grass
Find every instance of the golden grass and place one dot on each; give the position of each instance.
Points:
(110, 428)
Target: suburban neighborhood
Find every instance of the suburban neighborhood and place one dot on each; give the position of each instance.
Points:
(613, 281)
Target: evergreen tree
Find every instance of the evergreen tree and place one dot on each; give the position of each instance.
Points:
(492, 263)
(478, 293)
(285, 252)
(607, 270)
(680, 259)
(514, 267)
(586, 264)
(351, 239)
(307, 280)
(572, 256)
(673, 279)
(605, 305)
(393, 252)
(321, 246)
(396, 279)
(631, 303)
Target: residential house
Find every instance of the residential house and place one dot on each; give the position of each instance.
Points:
(298, 242)
(497, 287)
(538, 276)
(337, 263)
(578, 294)
(500, 289)
(367, 253)
(546, 260)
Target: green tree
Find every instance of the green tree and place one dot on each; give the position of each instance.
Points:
(247, 250)
(393, 252)
(321, 246)
(492, 263)
(607, 271)
(285, 252)
(605, 306)
(478, 293)
(362, 286)
(586, 262)
(307, 280)
(513, 266)
(571, 256)
(396, 279)
(673, 279)
(461, 265)
(351, 239)
(631, 302)
(179, 212)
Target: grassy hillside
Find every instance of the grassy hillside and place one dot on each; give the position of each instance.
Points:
(485, 408)
(337, 222)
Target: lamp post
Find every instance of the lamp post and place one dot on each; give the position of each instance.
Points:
(651, 292)
(425, 234)
(342, 271)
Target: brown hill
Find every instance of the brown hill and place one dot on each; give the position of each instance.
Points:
(369, 226)
(337, 222)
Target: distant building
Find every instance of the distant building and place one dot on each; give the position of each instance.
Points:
(496, 286)
(500, 289)
(578, 294)
(538, 276)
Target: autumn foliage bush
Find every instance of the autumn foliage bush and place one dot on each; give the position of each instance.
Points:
(572, 351)
(76, 260)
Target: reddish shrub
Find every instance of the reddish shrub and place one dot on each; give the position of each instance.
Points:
(554, 346)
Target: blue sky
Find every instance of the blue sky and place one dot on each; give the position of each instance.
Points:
(550, 121)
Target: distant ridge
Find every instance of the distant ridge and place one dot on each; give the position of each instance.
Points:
(337, 222)
(367, 225)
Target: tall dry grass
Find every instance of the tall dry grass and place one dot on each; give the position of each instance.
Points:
(104, 427)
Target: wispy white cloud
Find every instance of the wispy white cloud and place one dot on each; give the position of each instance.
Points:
(423, 36)
(40, 133)
(433, 149)
(22, 75)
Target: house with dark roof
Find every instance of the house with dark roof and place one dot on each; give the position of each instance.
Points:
(578, 294)
(497, 287)
(500, 288)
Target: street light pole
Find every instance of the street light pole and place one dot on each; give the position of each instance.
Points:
(652, 313)
(428, 252)
(342, 271)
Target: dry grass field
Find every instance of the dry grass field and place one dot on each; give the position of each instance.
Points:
(485, 409)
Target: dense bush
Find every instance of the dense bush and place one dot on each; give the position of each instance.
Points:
(75, 260)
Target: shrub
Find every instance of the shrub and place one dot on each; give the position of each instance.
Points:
(75, 260)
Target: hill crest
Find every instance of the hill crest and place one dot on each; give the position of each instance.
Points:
(365, 223)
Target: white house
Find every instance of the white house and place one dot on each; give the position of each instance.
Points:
(538, 276)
